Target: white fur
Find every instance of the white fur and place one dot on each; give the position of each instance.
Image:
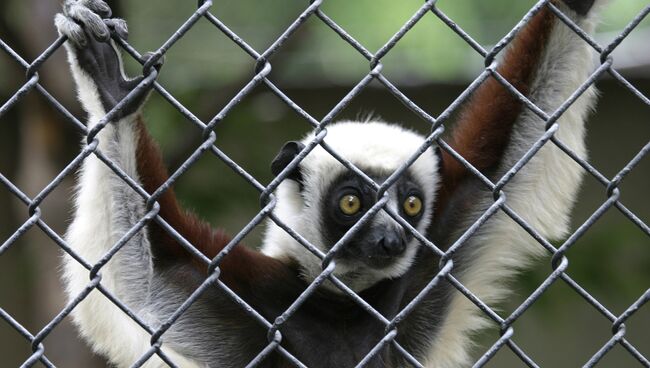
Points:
(374, 146)
(542, 193)
(95, 229)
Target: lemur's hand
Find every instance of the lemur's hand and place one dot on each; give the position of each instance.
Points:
(94, 55)
(581, 7)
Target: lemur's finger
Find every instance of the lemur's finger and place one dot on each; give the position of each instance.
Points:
(91, 21)
(130, 84)
(98, 6)
(118, 26)
(158, 64)
(67, 27)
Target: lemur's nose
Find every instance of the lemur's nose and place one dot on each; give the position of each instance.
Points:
(392, 244)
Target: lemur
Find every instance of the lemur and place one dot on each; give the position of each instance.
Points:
(321, 200)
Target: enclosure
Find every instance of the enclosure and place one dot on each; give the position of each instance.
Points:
(244, 77)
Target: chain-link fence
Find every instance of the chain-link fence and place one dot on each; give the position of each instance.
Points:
(262, 69)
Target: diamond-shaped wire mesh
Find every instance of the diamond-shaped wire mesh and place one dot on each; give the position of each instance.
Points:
(263, 61)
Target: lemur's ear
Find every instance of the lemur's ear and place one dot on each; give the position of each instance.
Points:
(284, 157)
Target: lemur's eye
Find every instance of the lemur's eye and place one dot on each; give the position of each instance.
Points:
(412, 206)
(350, 204)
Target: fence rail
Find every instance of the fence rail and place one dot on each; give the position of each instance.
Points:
(262, 69)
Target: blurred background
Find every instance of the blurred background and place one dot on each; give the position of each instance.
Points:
(316, 68)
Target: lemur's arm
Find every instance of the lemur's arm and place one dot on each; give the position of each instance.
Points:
(107, 208)
(98, 70)
(546, 62)
(485, 125)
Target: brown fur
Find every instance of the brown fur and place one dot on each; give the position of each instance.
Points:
(483, 130)
(241, 269)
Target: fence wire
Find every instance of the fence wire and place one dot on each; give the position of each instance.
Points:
(262, 69)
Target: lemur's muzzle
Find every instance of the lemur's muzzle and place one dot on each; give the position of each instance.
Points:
(392, 244)
(381, 245)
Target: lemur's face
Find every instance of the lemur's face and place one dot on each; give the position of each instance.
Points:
(321, 200)
(381, 243)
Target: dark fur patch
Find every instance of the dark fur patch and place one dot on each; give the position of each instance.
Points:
(241, 269)
(483, 130)
(101, 62)
(336, 224)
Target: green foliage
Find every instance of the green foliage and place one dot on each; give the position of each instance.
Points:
(430, 52)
